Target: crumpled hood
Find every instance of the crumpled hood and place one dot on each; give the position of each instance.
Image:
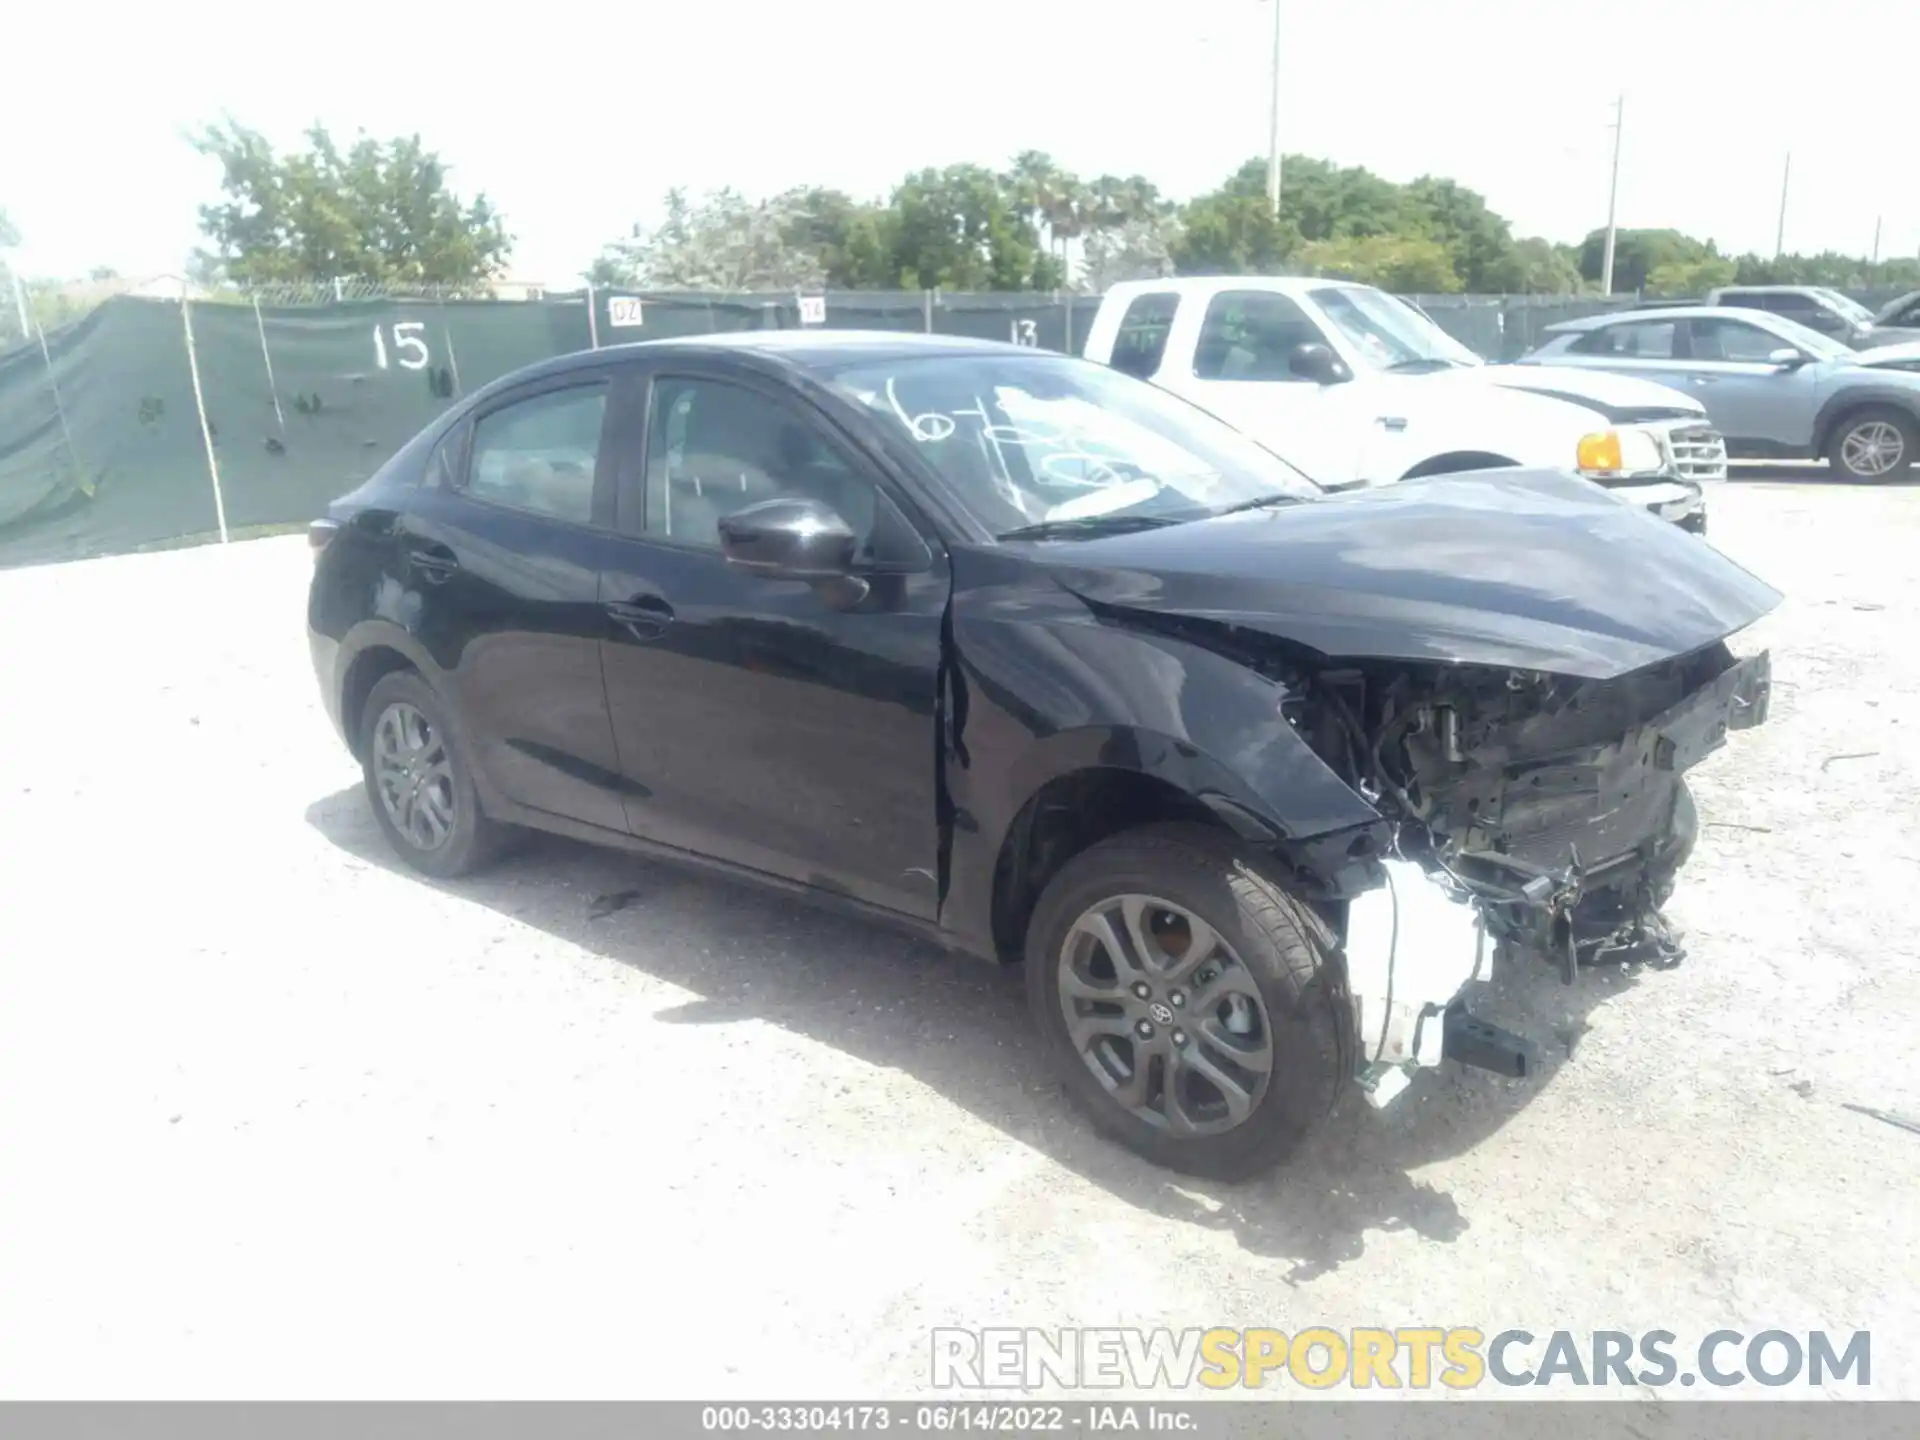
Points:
(1613, 399)
(1528, 569)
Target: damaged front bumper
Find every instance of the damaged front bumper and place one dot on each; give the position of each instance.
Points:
(1416, 943)
(1412, 948)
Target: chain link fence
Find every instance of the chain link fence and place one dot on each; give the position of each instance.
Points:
(167, 413)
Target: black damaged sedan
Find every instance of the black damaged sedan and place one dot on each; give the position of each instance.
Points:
(1045, 664)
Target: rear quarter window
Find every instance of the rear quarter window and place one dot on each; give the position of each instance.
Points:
(1141, 344)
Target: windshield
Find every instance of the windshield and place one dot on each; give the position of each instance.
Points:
(1850, 308)
(1390, 333)
(1026, 440)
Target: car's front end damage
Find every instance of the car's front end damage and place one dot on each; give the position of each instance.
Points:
(1515, 673)
(1536, 816)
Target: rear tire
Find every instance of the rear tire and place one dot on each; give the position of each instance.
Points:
(1874, 444)
(419, 781)
(1271, 975)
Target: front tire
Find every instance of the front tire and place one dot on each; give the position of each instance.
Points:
(1875, 444)
(418, 779)
(1193, 1007)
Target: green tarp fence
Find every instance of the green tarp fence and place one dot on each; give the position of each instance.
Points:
(102, 448)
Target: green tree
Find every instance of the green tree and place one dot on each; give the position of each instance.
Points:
(377, 210)
(1231, 231)
(721, 241)
(1132, 250)
(960, 228)
(1638, 253)
(1539, 267)
(1690, 278)
(1407, 264)
(1479, 243)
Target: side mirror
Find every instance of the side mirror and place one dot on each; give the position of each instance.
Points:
(1318, 364)
(1786, 358)
(789, 538)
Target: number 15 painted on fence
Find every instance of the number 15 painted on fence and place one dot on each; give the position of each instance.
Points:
(409, 345)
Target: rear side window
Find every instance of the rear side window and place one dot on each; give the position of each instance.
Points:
(1251, 335)
(1641, 340)
(540, 454)
(1142, 342)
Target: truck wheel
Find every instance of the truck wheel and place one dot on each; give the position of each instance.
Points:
(417, 778)
(1878, 443)
(1192, 1007)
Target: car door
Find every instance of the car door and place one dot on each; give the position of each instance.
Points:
(1242, 345)
(788, 726)
(503, 550)
(1750, 397)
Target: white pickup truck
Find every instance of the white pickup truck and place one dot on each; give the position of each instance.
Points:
(1355, 386)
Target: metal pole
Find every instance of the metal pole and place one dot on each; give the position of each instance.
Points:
(1780, 235)
(1273, 122)
(593, 320)
(206, 430)
(59, 406)
(20, 304)
(1876, 239)
(1613, 196)
(267, 356)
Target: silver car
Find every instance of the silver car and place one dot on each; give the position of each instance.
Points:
(1774, 388)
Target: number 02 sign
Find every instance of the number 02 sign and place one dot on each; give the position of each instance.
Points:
(623, 311)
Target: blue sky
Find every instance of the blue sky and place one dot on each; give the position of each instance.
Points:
(575, 120)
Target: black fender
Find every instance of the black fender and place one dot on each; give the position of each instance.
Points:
(1035, 696)
(1840, 405)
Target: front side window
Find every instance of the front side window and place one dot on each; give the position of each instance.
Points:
(1251, 335)
(714, 447)
(1032, 440)
(540, 454)
(1734, 340)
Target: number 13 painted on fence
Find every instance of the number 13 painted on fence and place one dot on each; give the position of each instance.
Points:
(409, 345)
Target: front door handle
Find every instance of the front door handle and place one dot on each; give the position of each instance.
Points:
(645, 617)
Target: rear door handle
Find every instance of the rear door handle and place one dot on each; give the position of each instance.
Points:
(436, 563)
(645, 617)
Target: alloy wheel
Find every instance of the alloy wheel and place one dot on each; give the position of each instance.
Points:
(413, 774)
(1165, 1015)
(1872, 448)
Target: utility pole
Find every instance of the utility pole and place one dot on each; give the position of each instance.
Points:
(1780, 235)
(1613, 196)
(1273, 121)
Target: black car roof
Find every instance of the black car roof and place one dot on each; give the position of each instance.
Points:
(806, 349)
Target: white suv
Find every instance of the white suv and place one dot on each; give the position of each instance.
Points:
(1355, 386)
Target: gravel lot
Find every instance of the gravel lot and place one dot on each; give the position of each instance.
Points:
(278, 1120)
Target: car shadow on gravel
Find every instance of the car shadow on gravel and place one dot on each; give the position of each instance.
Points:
(960, 1028)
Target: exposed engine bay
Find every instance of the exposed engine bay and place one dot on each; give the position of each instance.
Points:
(1558, 805)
